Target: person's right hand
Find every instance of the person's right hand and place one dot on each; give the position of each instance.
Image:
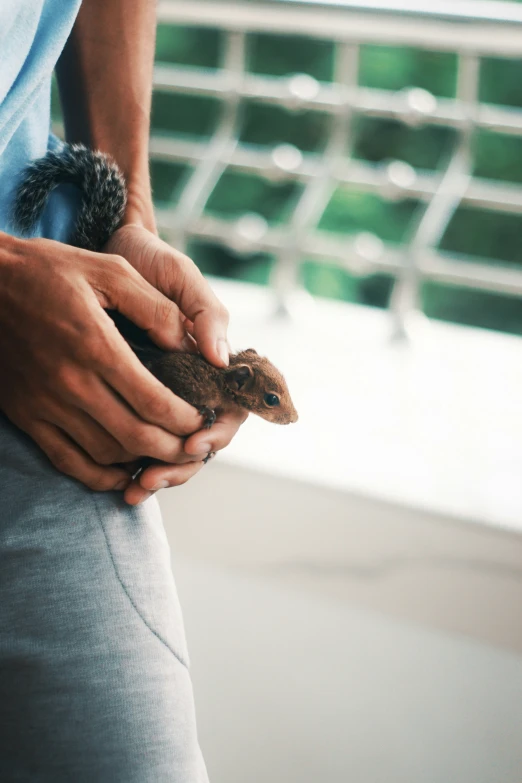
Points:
(68, 378)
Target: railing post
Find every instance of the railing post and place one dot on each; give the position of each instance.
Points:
(320, 188)
(405, 304)
(208, 171)
(470, 32)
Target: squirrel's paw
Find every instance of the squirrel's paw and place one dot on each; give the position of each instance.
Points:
(209, 416)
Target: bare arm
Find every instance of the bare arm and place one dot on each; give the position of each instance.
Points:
(105, 81)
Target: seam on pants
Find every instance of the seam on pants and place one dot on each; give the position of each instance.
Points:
(124, 588)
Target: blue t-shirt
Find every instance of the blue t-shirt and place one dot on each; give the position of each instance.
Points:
(32, 36)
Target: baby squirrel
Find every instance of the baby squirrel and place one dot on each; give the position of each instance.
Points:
(250, 382)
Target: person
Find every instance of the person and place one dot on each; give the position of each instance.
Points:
(94, 684)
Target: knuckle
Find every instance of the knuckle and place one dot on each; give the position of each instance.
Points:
(100, 482)
(107, 455)
(165, 310)
(19, 412)
(183, 259)
(116, 270)
(68, 379)
(137, 441)
(96, 346)
(182, 262)
(158, 407)
(118, 263)
(60, 459)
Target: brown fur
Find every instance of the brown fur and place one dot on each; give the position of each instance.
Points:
(243, 384)
(248, 379)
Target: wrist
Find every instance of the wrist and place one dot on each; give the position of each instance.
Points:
(140, 209)
(14, 254)
(10, 246)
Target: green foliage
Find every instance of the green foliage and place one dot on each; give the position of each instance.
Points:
(498, 156)
(500, 82)
(472, 232)
(286, 55)
(425, 148)
(350, 211)
(188, 46)
(237, 193)
(271, 125)
(393, 68)
(474, 308)
(167, 180)
(56, 113)
(485, 234)
(184, 114)
(215, 260)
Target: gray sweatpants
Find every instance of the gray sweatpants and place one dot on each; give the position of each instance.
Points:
(94, 686)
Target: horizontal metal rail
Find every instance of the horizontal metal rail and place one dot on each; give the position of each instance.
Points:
(384, 180)
(471, 30)
(361, 254)
(413, 107)
(458, 27)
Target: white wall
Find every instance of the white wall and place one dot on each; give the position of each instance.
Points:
(337, 639)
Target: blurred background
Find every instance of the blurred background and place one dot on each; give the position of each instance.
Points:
(350, 176)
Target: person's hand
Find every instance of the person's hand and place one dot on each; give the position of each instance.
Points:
(204, 317)
(197, 447)
(177, 277)
(69, 380)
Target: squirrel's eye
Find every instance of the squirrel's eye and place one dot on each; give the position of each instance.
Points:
(271, 399)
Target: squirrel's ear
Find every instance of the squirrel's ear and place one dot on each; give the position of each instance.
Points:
(239, 377)
(251, 350)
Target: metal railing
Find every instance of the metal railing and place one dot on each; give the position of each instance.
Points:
(471, 30)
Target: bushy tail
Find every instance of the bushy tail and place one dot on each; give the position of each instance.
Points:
(102, 186)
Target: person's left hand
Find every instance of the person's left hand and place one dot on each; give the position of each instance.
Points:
(201, 315)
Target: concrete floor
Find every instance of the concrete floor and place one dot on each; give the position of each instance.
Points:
(295, 688)
(342, 640)
(352, 585)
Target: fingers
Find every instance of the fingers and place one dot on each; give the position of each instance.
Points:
(137, 437)
(71, 460)
(124, 289)
(189, 342)
(197, 448)
(159, 477)
(153, 402)
(210, 334)
(219, 436)
(89, 435)
(180, 279)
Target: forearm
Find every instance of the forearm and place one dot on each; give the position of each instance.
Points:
(105, 81)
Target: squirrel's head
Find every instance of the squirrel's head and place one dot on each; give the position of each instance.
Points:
(259, 387)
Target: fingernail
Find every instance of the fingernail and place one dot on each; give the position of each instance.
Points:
(123, 484)
(188, 345)
(222, 349)
(144, 498)
(160, 485)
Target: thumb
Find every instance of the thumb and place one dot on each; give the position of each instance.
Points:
(120, 287)
(181, 280)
